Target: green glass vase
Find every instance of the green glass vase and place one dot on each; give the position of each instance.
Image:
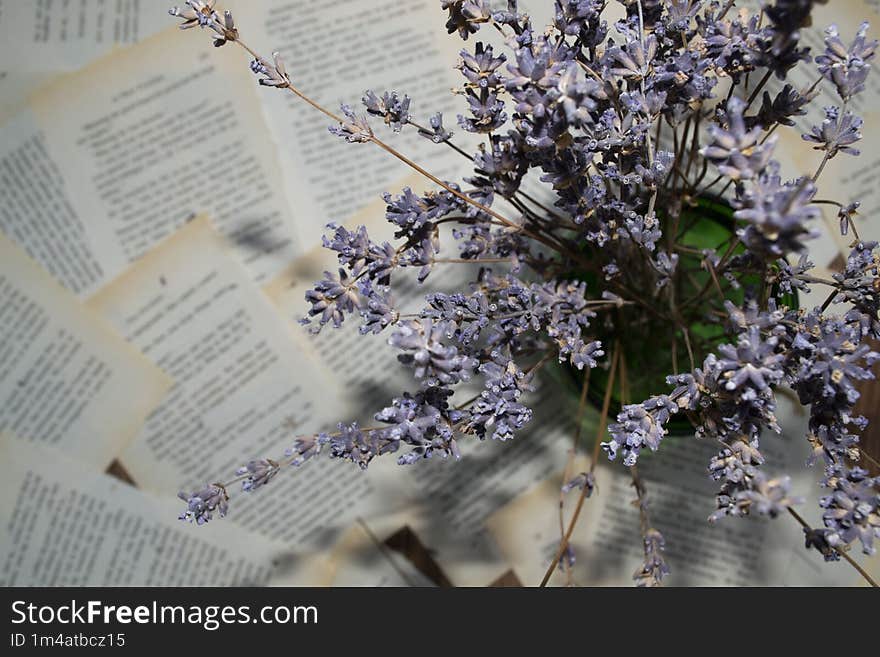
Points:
(652, 348)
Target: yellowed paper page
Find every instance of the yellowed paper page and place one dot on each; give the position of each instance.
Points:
(732, 552)
(161, 131)
(46, 35)
(444, 502)
(845, 178)
(15, 89)
(244, 389)
(66, 378)
(68, 525)
(398, 45)
(36, 208)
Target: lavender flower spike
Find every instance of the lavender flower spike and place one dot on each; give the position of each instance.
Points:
(257, 473)
(274, 75)
(197, 12)
(837, 133)
(588, 214)
(736, 150)
(201, 504)
(352, 128)
(654, 568)
(846, 67)
(639, 425)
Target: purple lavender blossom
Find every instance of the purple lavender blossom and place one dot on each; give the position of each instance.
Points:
(638, 426)
(437, 133)
(466, 16)
(817, 538)
(393, 109)
(837, 133)
(777, 213)
(736, 150)
(846, 214)
(274, 74)
(257, 473)
(585, 480)
(754, 494)
(859, 285)
(846, 67)
(498, 411)
(654, 568)
(422, 344)
(425, 421)
(596, 146)
(197, 13)
(852, 510)
(202, 504)
(333, 298)
(787, 103)
(352, 128)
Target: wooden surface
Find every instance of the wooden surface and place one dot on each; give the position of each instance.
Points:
(408, 544)
(507, 580)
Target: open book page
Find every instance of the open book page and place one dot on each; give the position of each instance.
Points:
(15, 87)
(66, 378)
(845, 178)
(47, 35)
(37, 211)
(161, 131)
(68, 525)
(397, 45)
(244, 388)
(446, 502)
(732, 552)
(454, 499)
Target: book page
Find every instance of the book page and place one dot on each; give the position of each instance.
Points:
(15, 87)
(157, 133)
(67, 525)
(446, 502)
(453, 500)
(48, 35)
(845, 178)
(732, 552)
(398, 45)
(244, 389)
(37, 211)
(67, 380)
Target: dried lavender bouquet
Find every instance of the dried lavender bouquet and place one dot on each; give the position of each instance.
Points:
(620, 253)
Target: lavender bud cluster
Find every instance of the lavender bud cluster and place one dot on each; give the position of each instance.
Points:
(626, 129)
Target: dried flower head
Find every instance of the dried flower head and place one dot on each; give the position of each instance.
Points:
(601, 154)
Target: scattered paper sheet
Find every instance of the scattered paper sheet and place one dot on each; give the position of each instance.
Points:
(244, 389)
(326, 178)
(86, 189)
(15, 87)
(67, 525)
(845, 178)
(445, 502)
(37, 210)
(158, 132)
(732, 552)
(66, 378)
(47, 35)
